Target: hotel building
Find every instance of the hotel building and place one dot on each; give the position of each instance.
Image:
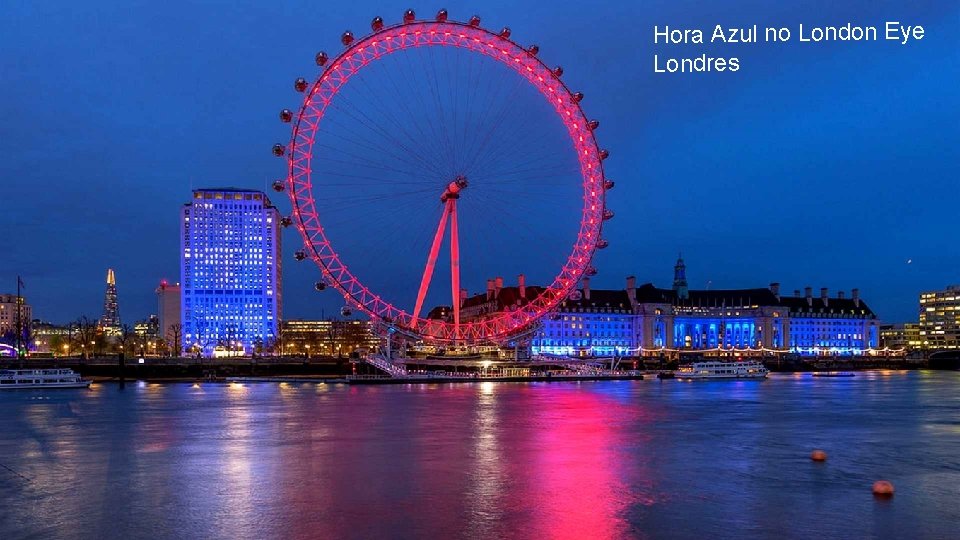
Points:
(230, 271)
(940, 319)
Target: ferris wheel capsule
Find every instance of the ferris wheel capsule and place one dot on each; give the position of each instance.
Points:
(505, 33)
(319, 286)
(577, 97)
(286, 221)
(279, 150)
(321, 58)
(299, 255)
(558, 71)
(346, 311)
(593, 124)
(300, 84)
(607, 214)
(442, 15)
(533, 49)
(376, 24)
(286, 116)
(591, 271)
(346, 38)
(475, 20)
(602, 244)
(409, 16)
(604, 154)
(608, 184)
(278, 185)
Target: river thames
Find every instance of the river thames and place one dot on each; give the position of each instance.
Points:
(618, 459)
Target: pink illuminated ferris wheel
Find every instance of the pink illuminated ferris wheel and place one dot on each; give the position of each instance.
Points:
(439, 147)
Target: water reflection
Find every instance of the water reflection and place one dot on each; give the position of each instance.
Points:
(593, 460)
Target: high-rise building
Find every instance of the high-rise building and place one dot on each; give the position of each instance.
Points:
(168, 310)
(940, 319)
(110, 320)
(230, 271)
(9, 322)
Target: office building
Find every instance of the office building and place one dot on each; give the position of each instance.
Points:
(230, 271)
(940, 319)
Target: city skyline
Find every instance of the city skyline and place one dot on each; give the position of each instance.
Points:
(856, 173)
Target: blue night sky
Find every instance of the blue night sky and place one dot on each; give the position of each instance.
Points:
(829, 165)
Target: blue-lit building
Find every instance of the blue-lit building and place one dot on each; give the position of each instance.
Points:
(649, 321)
(229, 272)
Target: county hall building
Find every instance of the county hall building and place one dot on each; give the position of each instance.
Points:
(650, 321)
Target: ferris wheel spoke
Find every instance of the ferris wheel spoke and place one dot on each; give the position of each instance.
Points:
(498, 121)
(360, 161)
(386, 113)
(373, 126)
(387, 150)
(433, 81)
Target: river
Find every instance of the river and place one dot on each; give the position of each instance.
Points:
(617, 459)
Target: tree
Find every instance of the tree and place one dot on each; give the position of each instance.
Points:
(125, 337)
(175, 335)
(84, 331)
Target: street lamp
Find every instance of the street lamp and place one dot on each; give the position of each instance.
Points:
(308, 350)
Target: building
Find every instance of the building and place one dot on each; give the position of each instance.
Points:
(110, 320)
(900, 337)
(940, 319)
(50, 338)
(168, 310)
(647, 320)
(9, 322)
(590, 323)
(327, 337)
(230, 271)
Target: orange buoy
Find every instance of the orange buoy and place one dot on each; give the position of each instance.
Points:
(818, 455)
(883, 488)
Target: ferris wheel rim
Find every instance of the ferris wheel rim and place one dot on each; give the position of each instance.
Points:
(357, 54)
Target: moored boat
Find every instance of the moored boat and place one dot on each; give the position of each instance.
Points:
(832, 374)
(13, 379)
(722, 370)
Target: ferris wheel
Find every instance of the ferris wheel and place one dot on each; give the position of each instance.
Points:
(435, 146)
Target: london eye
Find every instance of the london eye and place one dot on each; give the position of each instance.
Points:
(435, 148)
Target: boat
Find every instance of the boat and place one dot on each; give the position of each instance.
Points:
(722, 370)
(832, 374)
(12, 379)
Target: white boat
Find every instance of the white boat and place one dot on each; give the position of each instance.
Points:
(722, 370)
(12, 379)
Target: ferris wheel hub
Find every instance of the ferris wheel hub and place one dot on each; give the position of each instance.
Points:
(454, 188)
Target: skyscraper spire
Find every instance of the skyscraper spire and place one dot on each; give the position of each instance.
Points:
(110, 320)
(680, 278)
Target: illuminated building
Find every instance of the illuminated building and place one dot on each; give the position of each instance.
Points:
(327, 337)
(590, 323)
(168, 308)
(50, 338)
(9, 319)
(230, 271)
(940, 319)
(646, 320)
(900, 336)
(110, 320)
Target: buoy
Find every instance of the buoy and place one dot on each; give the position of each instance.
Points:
(883, 488)
(818, 455)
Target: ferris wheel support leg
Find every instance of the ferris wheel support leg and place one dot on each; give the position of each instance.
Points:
(431, 262)
(455, 267)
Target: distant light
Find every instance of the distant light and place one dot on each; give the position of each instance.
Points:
(140, 360)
